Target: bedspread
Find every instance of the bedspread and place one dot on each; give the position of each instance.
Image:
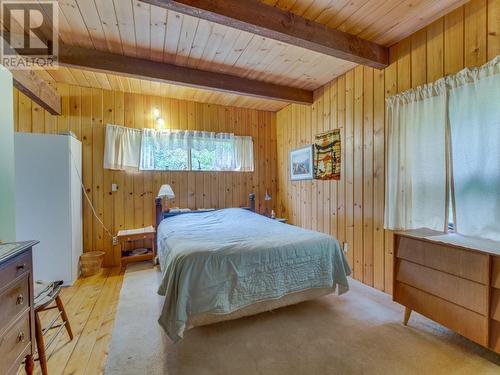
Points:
(224, 260)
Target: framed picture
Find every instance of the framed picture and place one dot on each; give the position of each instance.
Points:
(327, 155)
(301, 163)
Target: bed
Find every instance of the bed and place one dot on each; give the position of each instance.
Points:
(230, 263)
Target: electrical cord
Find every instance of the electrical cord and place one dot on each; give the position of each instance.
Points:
(88, 199)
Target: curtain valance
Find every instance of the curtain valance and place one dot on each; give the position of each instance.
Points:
(196, 140)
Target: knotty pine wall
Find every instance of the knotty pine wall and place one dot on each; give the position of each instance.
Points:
(86, 111)
(353, 208)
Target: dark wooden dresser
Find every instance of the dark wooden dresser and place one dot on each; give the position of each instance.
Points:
(16, 307)
(452, 280)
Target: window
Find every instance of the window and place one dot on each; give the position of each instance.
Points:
(204, 157)
(154, 150)
(458, 118)
(195, 151)
(474, 121)
(451, 214)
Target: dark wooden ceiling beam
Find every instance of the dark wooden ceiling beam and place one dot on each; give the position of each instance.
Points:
(32, 84)
(35, 88)
(274, 23)
(78, 57)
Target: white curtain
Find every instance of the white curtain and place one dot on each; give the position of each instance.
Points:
(224, 151)
(122, 147)
(474, 114)
(416, 192)
(244, 154)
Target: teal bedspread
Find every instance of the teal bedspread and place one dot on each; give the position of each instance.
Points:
(224, 260)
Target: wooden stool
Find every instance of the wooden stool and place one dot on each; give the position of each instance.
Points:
(43, 301)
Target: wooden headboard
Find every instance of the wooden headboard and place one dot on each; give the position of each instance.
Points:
(160, 214)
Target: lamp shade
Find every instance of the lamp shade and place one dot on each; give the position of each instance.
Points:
(166, 192)
(268, 196)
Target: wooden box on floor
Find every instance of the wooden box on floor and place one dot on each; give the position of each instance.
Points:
(454, 285)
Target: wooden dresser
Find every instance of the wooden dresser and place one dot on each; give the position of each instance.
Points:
(16, 307)
(452, 280)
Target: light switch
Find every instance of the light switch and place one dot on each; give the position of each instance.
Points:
(114, 187)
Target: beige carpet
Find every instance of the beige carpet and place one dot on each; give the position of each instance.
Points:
(357, 333)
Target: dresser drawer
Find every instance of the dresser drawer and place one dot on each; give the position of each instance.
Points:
(15, 268)
(463, 292)
(14, 342)
(463, 263)
(13, 301)
(461, 320)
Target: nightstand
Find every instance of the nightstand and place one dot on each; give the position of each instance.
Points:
(128, 254)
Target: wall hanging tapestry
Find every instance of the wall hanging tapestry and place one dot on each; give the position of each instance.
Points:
(327, 155)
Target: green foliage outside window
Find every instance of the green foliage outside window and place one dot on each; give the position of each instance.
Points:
(171, 160)
(184, 159)
(202, 160)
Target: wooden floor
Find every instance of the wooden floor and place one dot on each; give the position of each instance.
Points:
(91, 306)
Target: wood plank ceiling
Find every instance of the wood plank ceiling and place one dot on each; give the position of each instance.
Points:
(134, 28)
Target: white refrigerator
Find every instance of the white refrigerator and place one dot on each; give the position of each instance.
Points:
(49, 202)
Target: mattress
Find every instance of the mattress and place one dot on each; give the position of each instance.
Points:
(219, 262)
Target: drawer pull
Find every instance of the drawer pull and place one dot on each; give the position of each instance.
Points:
(21, 267)
(20, 337)
(20, 299)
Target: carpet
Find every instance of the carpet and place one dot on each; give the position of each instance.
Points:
(357, 333)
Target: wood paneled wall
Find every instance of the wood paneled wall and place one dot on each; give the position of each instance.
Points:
(353, 208)
(86, 111)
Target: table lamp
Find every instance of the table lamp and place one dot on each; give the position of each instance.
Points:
(166, 192)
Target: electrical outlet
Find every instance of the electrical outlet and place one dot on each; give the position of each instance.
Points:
(346, 247)
(115, 240)
(114, 187)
